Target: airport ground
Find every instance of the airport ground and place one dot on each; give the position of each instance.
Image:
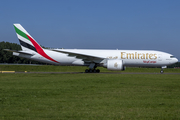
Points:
(88, 96)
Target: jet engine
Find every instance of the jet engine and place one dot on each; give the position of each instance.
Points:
(114, 65)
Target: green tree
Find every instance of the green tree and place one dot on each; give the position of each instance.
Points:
(7, 57)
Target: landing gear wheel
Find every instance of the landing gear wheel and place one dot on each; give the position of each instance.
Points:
(92, 71)
(162, 71)
(86, 71)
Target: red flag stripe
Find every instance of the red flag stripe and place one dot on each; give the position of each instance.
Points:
(40, 50)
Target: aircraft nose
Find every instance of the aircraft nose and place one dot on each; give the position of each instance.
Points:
(176, 60)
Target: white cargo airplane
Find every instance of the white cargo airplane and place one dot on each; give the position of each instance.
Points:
(110, 59)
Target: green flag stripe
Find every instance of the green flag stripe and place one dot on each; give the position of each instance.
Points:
(21, 33)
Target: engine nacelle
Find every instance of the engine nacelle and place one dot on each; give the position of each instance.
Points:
(115, 65)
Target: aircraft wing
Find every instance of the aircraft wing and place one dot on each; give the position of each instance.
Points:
(22, 52)
(83, 56)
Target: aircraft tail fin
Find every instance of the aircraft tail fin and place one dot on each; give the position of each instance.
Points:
(26, 40)
(28, 43)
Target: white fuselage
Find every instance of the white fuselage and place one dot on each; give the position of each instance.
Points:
(135, 58)
(110, 59)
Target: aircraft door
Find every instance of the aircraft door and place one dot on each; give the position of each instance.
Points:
(160, 57)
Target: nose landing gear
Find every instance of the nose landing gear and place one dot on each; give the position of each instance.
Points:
(162, 69)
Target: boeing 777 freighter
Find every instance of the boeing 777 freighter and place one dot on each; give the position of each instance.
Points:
(110, 59)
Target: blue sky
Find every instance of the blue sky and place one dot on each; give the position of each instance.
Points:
(95, 24)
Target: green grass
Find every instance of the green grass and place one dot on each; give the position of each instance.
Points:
(89, 96)
(51, 68)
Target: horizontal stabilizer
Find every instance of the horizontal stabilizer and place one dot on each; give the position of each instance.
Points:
(22, 52)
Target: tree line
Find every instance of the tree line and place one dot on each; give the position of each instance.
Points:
(7, 57)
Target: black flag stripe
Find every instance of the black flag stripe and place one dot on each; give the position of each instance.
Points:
(24, 44)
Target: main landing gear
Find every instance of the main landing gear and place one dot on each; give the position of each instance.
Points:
(92, 71)
(92, 68)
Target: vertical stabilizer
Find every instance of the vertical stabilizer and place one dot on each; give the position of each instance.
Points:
(26, 40)
(28, 43)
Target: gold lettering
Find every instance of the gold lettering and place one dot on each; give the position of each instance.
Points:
(130, 54)
(143, 56)
(135, 55)
(122, 55)
(146, 55)
(138, 55)
(150, 56)
(115, 57)
(155, 56)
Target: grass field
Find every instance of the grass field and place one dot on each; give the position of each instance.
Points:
(89, 96)
(51, 68)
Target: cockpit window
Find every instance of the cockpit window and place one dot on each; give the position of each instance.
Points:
(172, 56)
